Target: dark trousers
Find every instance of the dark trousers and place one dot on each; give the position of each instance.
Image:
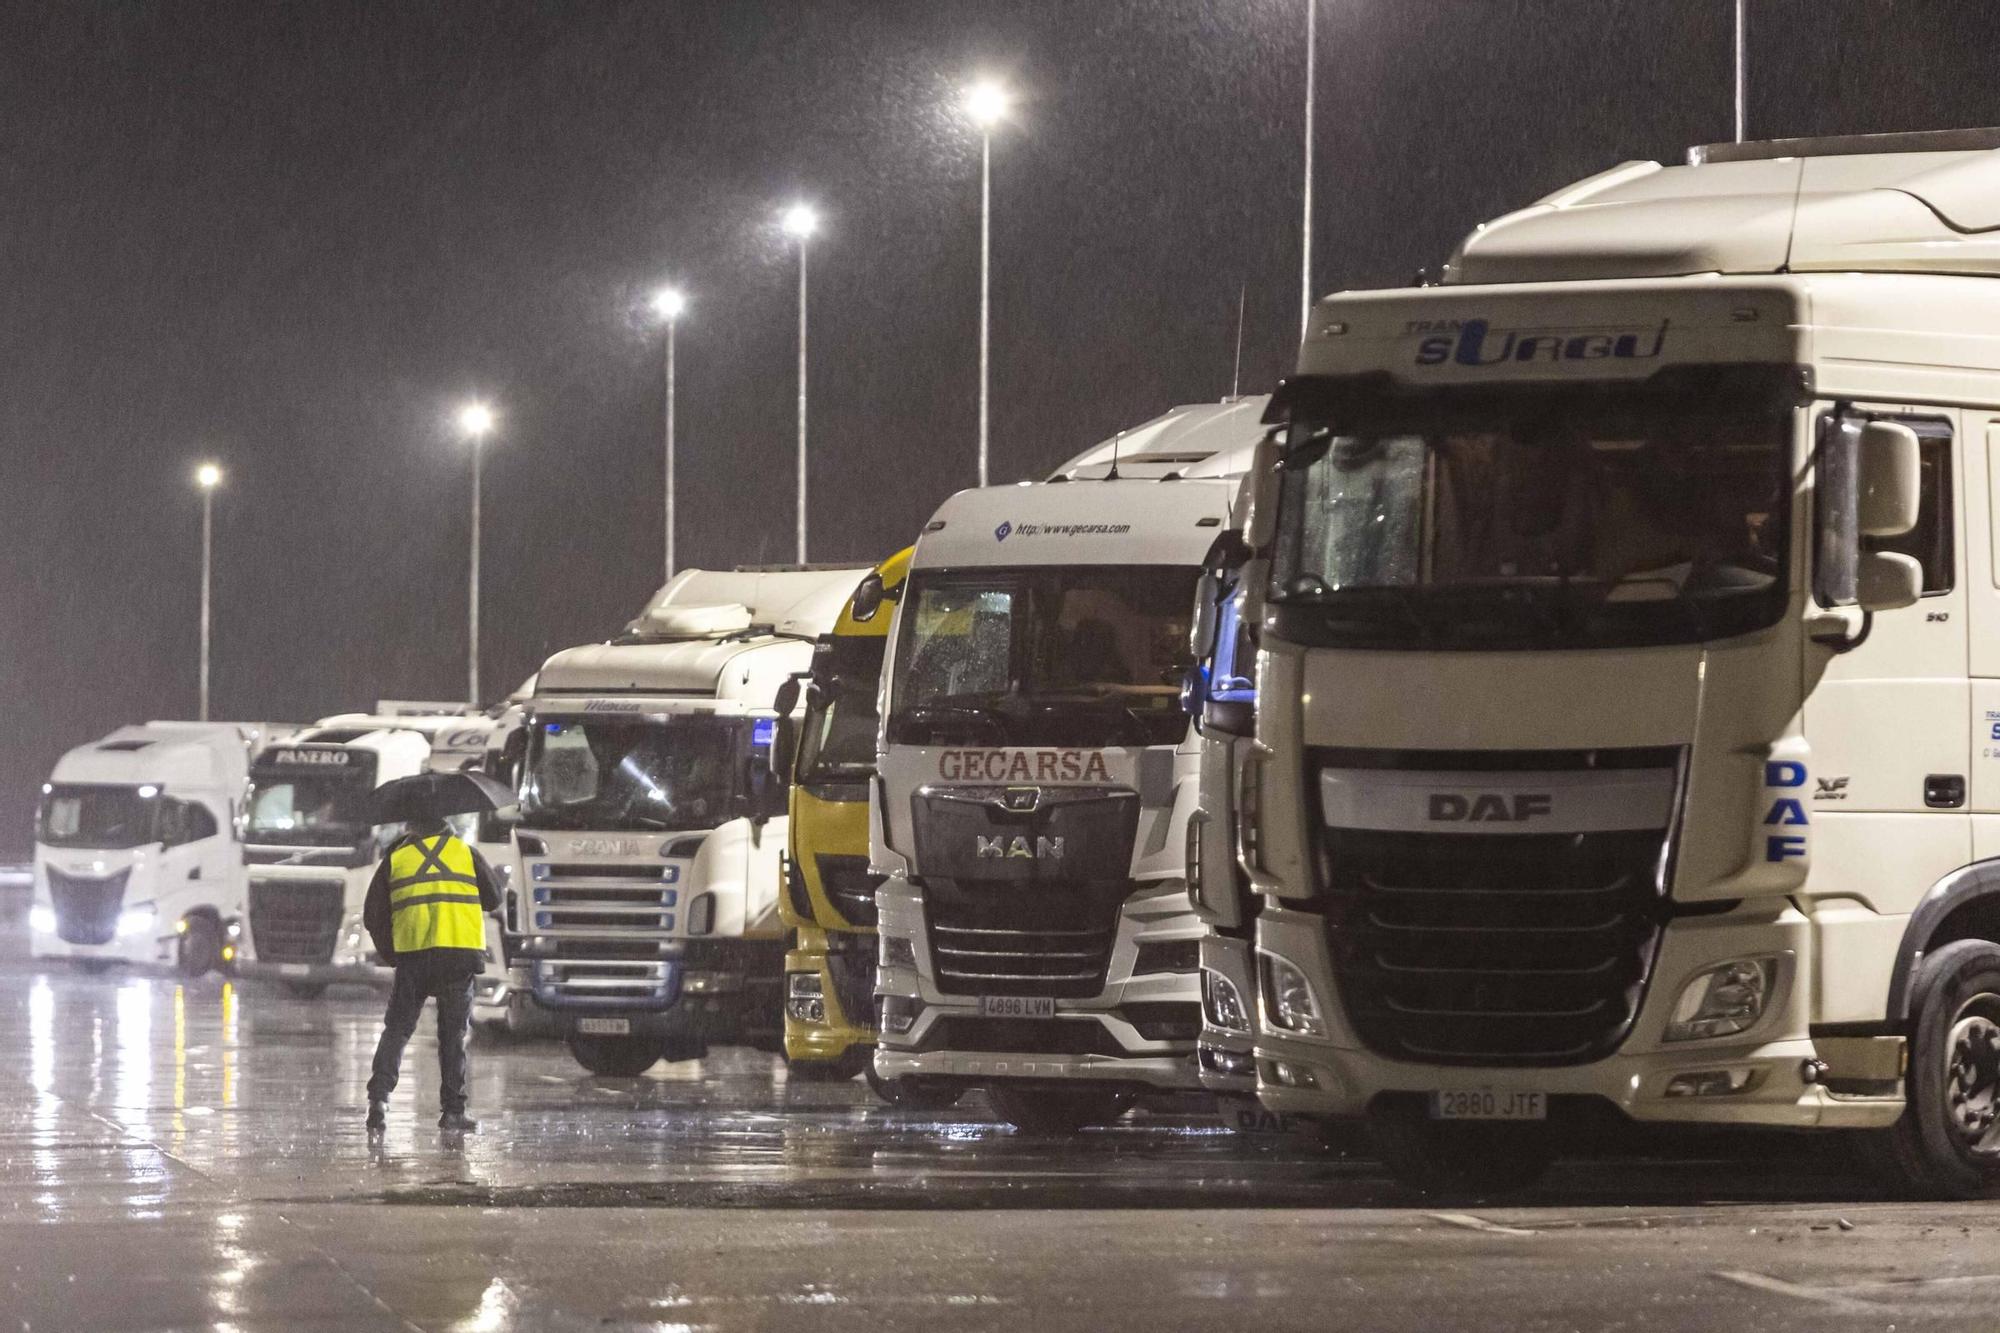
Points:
(431, 974)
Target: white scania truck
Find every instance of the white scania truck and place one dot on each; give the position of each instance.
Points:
(1036, 777)
(310, 845)
(1629, 677)
(136, 858)
(644, 907)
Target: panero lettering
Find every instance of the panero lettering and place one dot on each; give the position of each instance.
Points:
(1023, 766)
(324, 758)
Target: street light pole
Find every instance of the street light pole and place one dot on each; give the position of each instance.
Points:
(801, 221)
(208, 476)
(1306, 228)
(1742, 68)
(986, 102)
(475, 421)
(670, 303)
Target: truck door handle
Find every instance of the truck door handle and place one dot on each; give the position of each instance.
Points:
(1944, 791)
(195, 873)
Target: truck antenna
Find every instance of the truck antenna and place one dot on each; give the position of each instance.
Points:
(1236, 378)
(1112, 475)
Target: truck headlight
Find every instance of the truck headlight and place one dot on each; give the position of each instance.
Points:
(1723, 1000)
(1288, 998)
(898, 951)
(1224, 1002)
(804, 999)
(42, 919)
(136, 920)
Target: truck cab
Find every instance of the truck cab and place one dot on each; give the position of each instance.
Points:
(1036, 773)
(136, 859)
(1629, 662)
(644, 912)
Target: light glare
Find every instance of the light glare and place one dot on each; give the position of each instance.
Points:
(987, 102)
(208, 476)
(475, 420)
(670, 303)
(801, 221)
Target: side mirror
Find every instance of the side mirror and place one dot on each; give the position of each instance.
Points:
(786, 701)
(1227, 552)
(1888, 581)
(1194, 691)
(868, 598)
(1261, 525)
(1891, 476)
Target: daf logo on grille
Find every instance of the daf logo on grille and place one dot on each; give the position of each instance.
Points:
(1018, 847)
(1489, 807)
(1021, 798)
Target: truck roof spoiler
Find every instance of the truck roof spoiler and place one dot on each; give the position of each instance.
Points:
(1847, 145)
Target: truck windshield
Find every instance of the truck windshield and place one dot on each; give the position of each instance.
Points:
(1550, 517)
(1072, 656)
(626, 773)
(319, 809)
(837, 742)
(102, 818)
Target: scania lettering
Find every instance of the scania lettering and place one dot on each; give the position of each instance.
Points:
(136, 859)
(1036, 773)
(644, 911)
(1629, 640)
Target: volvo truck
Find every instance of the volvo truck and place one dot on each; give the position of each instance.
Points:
(1628, 686)
(310, 843)
(1036, 774)
(136, 859)
(644, 909)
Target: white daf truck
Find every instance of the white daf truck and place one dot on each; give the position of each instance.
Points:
(136, 859)
(311, 847)
(1629, 677)
(1036, 777)
(644, 908)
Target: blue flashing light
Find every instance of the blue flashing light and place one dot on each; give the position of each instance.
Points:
(764, 731)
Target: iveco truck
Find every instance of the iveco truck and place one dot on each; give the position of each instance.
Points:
(136, 858)
(644, 907)
(310, 843)
(1628, 687)
(1036, 773)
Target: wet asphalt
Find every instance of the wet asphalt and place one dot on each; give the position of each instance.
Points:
(193, 1156)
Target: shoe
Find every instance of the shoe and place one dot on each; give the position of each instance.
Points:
(377, 1117)
(458, 1122)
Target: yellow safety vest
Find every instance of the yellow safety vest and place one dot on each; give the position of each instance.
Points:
(434, 896)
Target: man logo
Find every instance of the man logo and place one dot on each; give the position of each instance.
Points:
(1001, 533)
(1021, 798)
(1019, 847)
(1489, 807)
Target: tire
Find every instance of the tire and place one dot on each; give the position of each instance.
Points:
(912, 1092)
(199, 949)
(1461, 1161)
(306, 990)
(850, 1062)
(1946, 1145)
(614, 1057)
(1057, 1112)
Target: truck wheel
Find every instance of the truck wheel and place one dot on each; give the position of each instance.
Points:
(839, 1070)
(614, 1057)
(1058, 1113)
(1946, 1145)
(1461, 1160)
(912, 1092)
(306, 990)
(199, 950)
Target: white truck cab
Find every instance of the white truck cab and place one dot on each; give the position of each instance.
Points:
(1036, 777)
(136, 858)
(644, 910)
(1628, 694)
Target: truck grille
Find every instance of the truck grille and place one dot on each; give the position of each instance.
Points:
(620, 983)
(296, 920)
(602, 899)
(1012, 940)
(1493, 949)
(87, 908)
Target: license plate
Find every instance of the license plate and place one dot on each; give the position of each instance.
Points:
(604, 1027)
(1487, 1104)
(294, 969)
(1017, 1006)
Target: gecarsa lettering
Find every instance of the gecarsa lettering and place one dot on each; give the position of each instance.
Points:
(1023, 766)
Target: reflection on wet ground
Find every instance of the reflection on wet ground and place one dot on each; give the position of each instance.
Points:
(176, 1155)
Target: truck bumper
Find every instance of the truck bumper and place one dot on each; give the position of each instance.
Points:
(1172, 1073)
(1770, 1068)
(820, 989)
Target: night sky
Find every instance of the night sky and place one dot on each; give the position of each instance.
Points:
(293, 237)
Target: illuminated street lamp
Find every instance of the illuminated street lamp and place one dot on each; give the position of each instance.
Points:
(800, 221)
(207, 477)
(986, 104)
(475, 423)
(670, 303)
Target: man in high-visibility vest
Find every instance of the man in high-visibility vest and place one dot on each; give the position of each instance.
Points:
(426, 914)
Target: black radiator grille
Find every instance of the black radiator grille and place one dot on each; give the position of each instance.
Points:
(853, 973)
(296, 920)
(87, 908)
(849, 887)
(1010, 939)
(1500, 949)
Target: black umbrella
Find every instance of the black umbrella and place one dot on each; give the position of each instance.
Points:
(429, 796)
